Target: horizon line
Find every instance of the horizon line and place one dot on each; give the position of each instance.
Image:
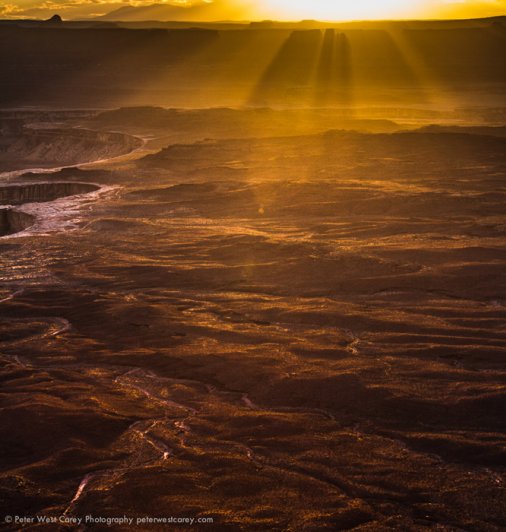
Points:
(260, 21)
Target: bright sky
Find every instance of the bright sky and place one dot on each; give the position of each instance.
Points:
(261, 9)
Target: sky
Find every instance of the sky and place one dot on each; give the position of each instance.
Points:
(332, 10)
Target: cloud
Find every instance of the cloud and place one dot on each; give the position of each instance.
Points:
(73, 8)
(8, 10)
(228, 8)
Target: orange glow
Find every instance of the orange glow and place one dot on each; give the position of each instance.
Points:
(343, 10)
(219, 10)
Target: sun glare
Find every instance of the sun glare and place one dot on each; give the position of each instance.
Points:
(343, 9)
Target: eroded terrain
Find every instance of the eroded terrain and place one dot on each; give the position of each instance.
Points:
(302, 331)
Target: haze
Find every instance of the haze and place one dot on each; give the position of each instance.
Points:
(252, 272)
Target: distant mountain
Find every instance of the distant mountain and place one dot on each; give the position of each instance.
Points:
(55, 19)
(171, 12)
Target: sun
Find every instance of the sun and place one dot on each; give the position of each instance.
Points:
(343, 9)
